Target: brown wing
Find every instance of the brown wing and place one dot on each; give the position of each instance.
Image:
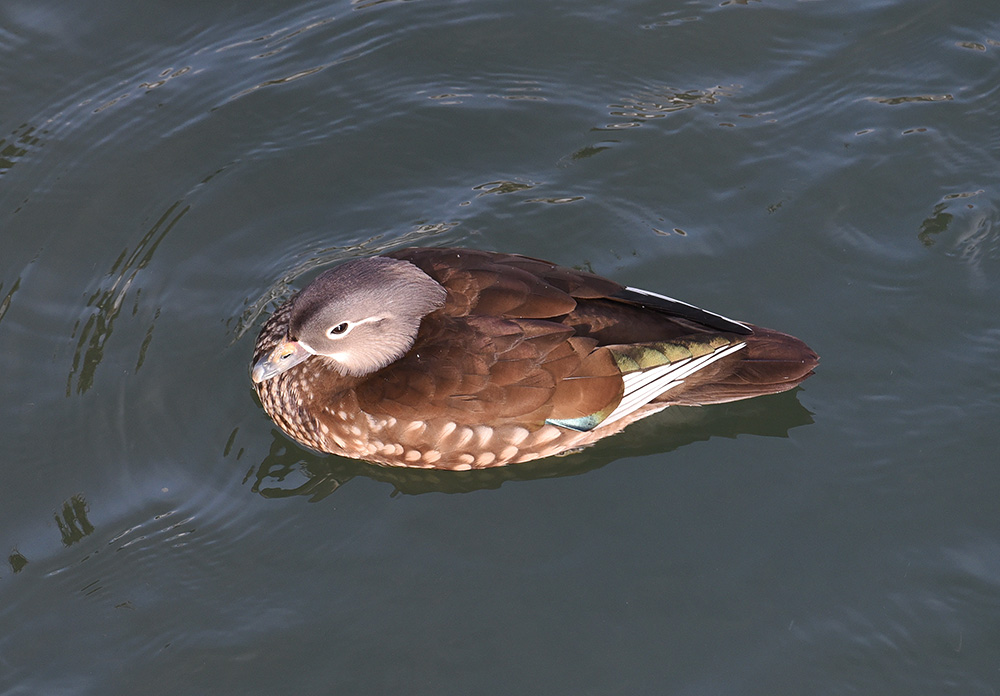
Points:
(510, 285)
(474, 370)
(607, 313)
(506, 285)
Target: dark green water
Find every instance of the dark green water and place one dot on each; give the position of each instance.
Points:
(169, 171)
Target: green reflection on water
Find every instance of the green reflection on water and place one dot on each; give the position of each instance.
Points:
(17, 561)
(109, 300)
(5, 302)
(935, 224)
(18, 146)
(74, 525)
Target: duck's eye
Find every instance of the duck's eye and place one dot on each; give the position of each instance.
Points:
(339, 330)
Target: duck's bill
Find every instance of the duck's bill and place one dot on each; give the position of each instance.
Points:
(285, 355)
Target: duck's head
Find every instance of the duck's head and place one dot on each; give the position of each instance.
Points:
(362, 316)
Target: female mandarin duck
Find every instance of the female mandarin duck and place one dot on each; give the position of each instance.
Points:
(462, 359)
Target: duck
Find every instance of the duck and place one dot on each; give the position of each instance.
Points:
(459, 359)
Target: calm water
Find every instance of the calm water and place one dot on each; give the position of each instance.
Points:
(168, 172)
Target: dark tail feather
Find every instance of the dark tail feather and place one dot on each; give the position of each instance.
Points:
(771, 362)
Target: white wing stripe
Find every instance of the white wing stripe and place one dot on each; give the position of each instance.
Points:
(686, 304)
(637, 380)
(663, 379)
(643, 387)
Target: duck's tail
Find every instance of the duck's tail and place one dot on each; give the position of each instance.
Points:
(771, 362)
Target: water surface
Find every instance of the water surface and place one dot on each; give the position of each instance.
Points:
(168, 174)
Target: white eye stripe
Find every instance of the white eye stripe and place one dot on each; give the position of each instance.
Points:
(335, 331)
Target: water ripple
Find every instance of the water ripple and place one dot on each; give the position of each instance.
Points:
(658, 102)
(107, 303)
